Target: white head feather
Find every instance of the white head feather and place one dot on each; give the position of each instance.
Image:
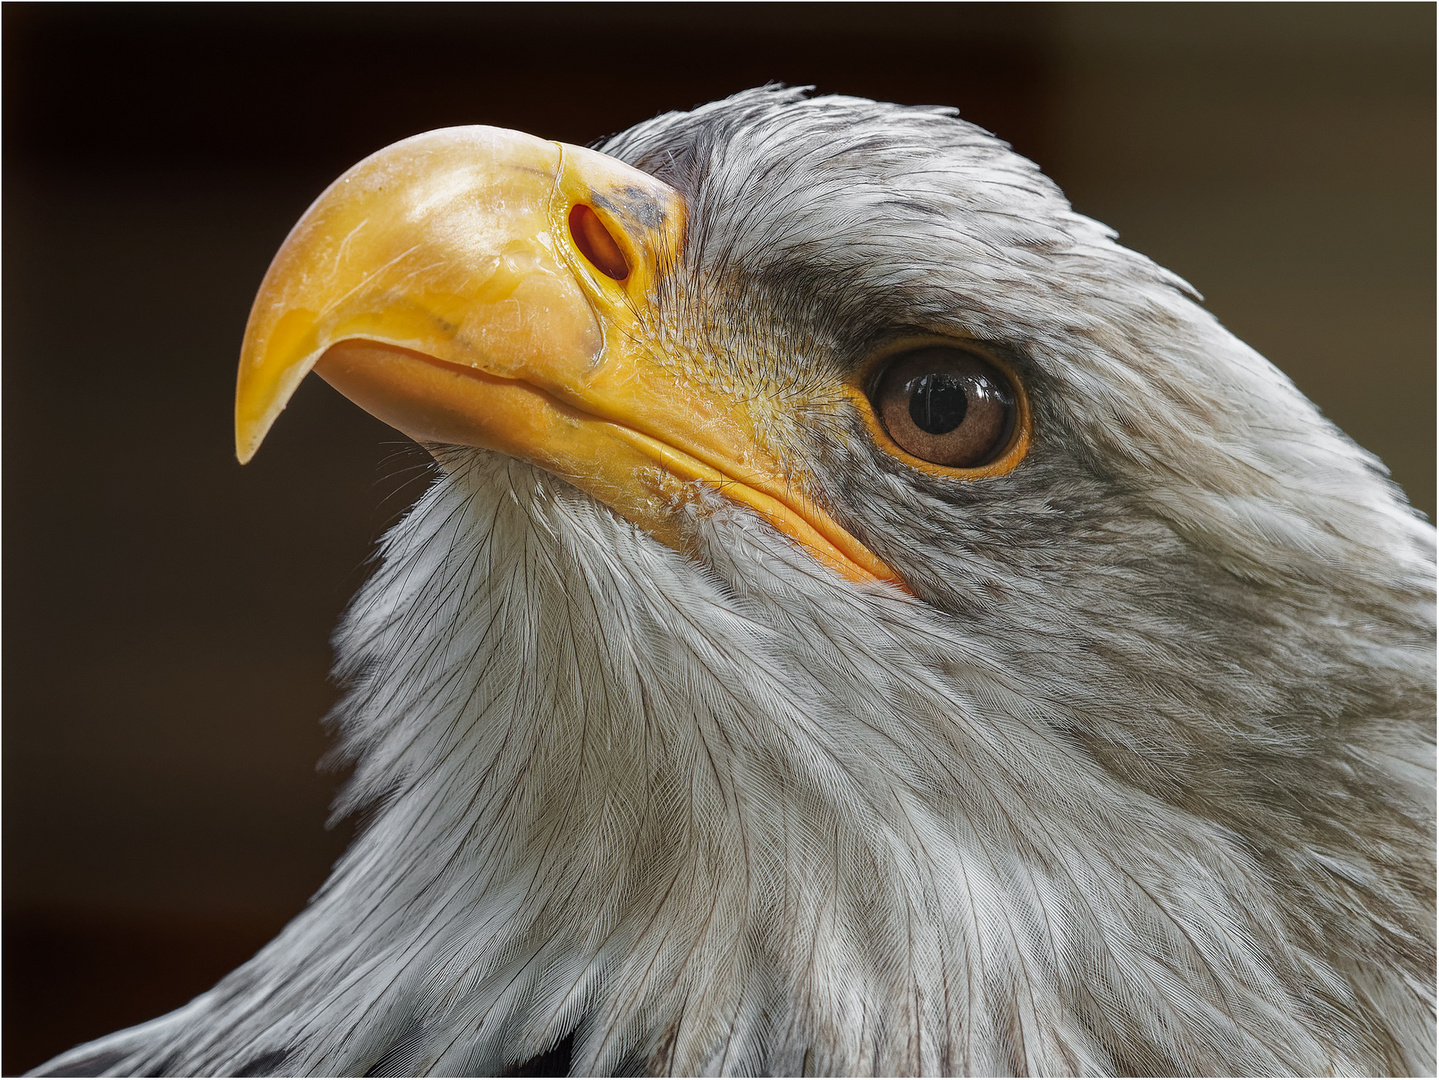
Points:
(1140, 780)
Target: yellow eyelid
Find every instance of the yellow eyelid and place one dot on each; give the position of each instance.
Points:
(1019, 440)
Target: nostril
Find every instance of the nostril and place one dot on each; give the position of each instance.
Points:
(596, 243)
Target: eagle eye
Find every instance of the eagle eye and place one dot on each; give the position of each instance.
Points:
(946, 406)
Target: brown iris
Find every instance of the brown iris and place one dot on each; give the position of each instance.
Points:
(946, 406)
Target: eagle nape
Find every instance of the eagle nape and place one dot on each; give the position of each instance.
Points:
(863, 620)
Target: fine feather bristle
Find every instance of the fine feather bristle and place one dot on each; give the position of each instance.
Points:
(1139, 780)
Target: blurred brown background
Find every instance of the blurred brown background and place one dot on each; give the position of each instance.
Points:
(167, 612)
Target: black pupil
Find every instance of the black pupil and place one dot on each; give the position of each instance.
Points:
(937, 402)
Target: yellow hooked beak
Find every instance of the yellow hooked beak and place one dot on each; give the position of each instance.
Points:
(483, 287)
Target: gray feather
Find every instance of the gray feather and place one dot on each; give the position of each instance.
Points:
(1139, 780)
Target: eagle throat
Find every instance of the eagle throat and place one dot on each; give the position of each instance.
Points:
(614, 805)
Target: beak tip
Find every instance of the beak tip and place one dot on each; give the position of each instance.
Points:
(247, 441)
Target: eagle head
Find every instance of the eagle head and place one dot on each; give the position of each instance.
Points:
(864, 619)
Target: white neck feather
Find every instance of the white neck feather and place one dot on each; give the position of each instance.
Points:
(710, 825)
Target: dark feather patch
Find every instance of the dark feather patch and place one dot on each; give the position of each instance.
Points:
(553, 1062)
(267, 1064)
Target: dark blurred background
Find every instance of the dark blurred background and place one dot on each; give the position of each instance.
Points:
(167, 612)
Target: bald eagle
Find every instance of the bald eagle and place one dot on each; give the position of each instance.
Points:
(863, 620)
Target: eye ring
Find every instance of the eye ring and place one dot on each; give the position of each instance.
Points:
(947, 408)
